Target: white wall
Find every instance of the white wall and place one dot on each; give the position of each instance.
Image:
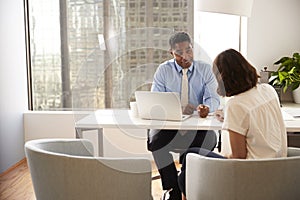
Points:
(51, 124)
(13, 85)
(273, 31)
(61, 124)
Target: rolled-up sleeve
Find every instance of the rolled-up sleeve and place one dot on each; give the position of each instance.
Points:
(158, 84)
(211, 96)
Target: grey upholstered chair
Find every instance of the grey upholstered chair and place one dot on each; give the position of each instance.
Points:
(65, 169)
(237, 179)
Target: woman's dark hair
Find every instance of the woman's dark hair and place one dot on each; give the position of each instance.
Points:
(234, 73)
(179, 37)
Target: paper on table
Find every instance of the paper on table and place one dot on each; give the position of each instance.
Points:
(287, 116)
(295, 112)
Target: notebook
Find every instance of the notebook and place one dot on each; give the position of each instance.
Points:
(159, 106)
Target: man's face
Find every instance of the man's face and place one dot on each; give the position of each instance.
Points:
(183, 54)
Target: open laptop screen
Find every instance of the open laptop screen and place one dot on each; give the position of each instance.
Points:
(159, 106)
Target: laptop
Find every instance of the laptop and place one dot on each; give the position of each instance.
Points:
(159, 106)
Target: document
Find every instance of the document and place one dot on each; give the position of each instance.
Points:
(287, 116)
(295, 112)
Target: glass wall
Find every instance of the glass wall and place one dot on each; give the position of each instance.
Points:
(88, 54)
(91, 54)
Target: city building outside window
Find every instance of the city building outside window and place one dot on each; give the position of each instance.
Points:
(91, 54)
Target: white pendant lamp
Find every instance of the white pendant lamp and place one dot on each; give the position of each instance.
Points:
(232, 7)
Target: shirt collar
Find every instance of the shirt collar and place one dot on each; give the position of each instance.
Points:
(179, 68)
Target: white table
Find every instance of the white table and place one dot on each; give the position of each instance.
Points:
(292, 124)
(118, 118)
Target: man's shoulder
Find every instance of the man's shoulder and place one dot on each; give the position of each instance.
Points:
(201, 64)
(202, 67)
(167, 63)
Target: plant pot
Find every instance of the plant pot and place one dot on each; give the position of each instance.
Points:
(296, 95)
(278, 90)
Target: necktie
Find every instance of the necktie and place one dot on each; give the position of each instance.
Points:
(184, 88)
(184, 94)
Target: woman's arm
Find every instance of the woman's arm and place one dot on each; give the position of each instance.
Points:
(238, 145)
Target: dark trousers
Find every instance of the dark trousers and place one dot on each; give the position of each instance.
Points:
(200, 151)
(162, 142)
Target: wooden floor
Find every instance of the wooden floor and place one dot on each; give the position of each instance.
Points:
(15, 184)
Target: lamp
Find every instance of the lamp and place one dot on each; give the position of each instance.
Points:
(232, 7)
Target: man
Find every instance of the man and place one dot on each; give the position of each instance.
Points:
(201, 90)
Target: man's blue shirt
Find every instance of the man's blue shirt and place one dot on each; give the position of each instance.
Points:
(202, 83)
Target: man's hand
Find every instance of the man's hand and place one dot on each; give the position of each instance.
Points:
(189, 109)
(203, 110)
(219, 115)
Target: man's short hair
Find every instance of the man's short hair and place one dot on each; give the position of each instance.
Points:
(179, 37)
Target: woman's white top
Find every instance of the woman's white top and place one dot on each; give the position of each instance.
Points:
(256, 114)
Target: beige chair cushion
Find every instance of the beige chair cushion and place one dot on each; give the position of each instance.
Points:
(65, 169)
(230, 179)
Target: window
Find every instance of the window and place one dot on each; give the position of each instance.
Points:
(91, 54)
(216, 32)
(69, 69)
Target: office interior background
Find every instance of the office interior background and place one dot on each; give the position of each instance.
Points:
(272, 32)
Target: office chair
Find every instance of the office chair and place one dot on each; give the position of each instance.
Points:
(65, 169)
(246, 179)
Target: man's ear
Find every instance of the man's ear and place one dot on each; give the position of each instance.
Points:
(171, 52)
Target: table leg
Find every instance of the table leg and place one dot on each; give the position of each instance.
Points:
(219, 141)
(79, 134)
(100, 142)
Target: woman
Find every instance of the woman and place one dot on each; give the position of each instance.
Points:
(252, 115)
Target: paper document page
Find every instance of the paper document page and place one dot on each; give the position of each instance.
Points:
(295, 112)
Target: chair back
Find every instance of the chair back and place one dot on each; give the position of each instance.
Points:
(65, 169)
(235, 179)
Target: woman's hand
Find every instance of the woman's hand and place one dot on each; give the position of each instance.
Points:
(219, 115)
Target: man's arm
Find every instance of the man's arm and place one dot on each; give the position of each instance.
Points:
(158, 84)
(210, 97)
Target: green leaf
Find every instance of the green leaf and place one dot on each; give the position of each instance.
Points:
(296, 55)
(276, 82)
(285, 88)
(287, 62)
(292, 70)
(281, 60)
(272, 78)
(288, 72)
(295, 86)
(282, 76)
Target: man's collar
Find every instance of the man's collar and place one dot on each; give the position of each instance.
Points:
(179, 68)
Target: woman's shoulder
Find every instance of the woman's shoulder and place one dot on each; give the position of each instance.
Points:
(265, 86)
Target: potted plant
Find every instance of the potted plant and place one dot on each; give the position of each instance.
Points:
(288, 75)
